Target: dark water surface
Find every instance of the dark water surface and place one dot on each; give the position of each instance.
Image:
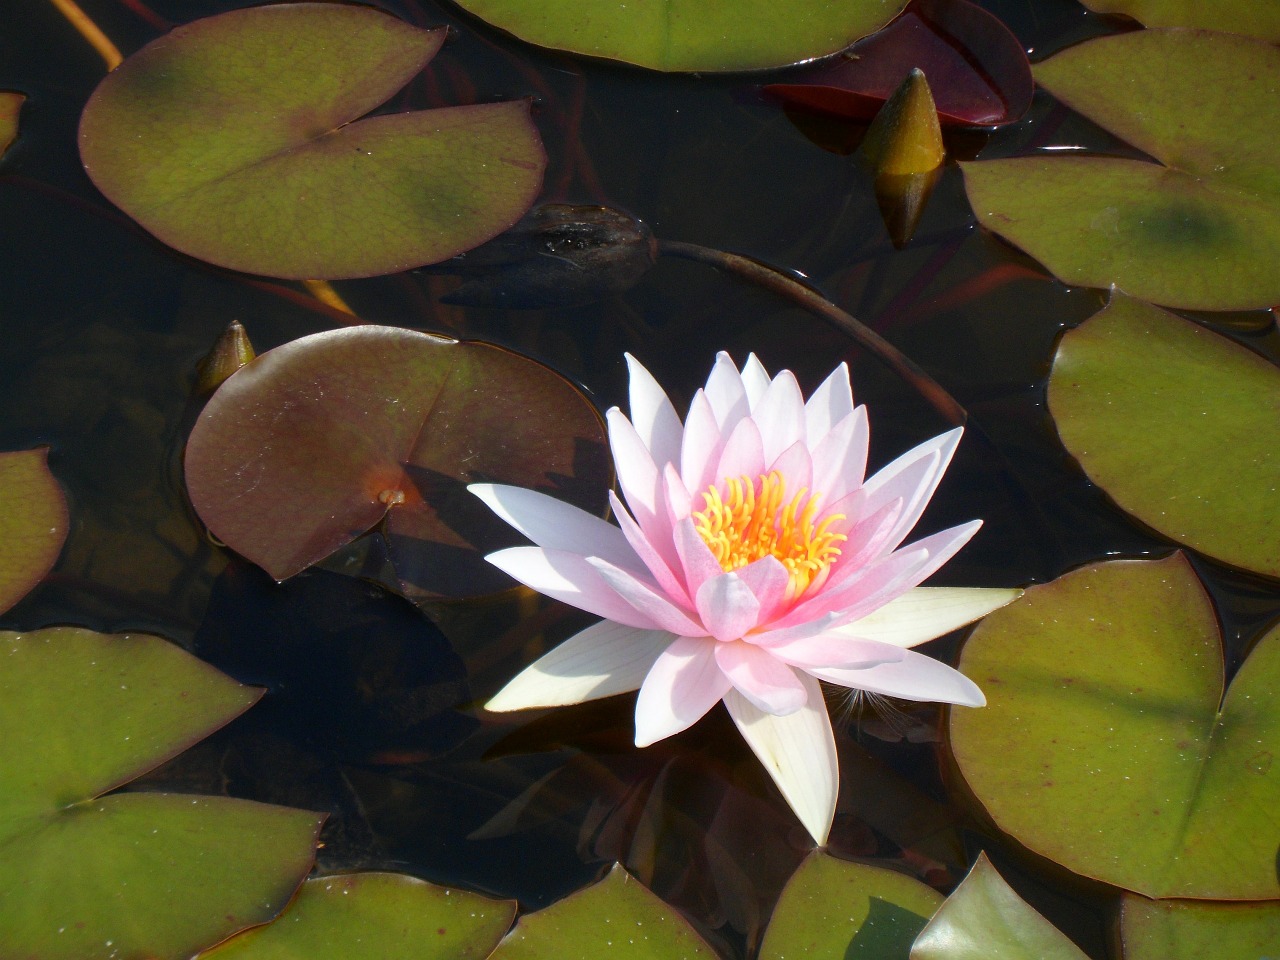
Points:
(372, 713)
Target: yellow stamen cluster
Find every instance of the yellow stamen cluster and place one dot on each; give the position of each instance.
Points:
(755, 520)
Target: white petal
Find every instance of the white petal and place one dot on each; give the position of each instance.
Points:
(637, 474)
(700, 450)
(840, 458)
(556, 525)
(798, 751)
(649, 555)
(916, 677)
(743, 454)
(727, 607)
(683, 684)
(926, 613)
(653, 415)
(913, 477)
(780, 415)
(770, 684)
(726, 394)
(829, 404)
(568, 577)
(602, 660)
(755, 379)
(658, 610)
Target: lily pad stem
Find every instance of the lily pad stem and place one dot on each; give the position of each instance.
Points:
(89, 30)
(323, 291)
(773, 279)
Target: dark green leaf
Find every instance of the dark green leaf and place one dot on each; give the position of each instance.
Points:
(33, 522)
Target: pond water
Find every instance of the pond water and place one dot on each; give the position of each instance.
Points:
(373, 708)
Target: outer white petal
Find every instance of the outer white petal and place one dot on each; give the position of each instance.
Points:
(557, 525)
(654, 417)
(926, 613)
(916, 677)
(684, 684)
(829, 404)
(605, 659)
(637, 474)
(780, 415)
(755, 379)
(700, 449)
(799, 751)
(658, 610)
(913, 477)
(726, 393)
(568, 577)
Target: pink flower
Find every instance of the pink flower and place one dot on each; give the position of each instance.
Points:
(751, 560)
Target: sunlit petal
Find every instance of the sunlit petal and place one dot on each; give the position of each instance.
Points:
(767, 682)
(780, 415)
(659, 612)
(828, 405)
(653, 561)
(727, 607)
(755, 379)
(700, 450)
(653, 416)
(916, 677)
(926, 613)
(830, 649)
(568, 577)
(683, 684)
(726, 394)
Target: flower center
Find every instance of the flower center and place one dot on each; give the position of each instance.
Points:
(756, 520)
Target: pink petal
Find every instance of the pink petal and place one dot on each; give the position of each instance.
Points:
(916, 677)
(556, 525)
(743, 454)
(865, 541)
(726, 393)
(829, 650)
(682, 686)
(697, 561)
(873, 583)
(654, 418)
(654, 606)
(913, 477)
(767, 579)
(795, 465)
(727, 607)
(769, 684)
(700, 450)
(780, 415)
(799, 753)
(679, 502)
(568, 577)
(649, 556)
(840, 458)
(829, 404)
(755, 379)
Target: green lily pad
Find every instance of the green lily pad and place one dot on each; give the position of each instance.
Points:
(1198, 930)
(311, 444)
(1199, 229)
(83, 876)
(1179, 425)
(1254, 19)
(842, 910)
(984, 918)
(33, 522)
(232, 139)
(702, 35)
(1106, 743)
(10, 107)
(375, 916)
(617, 917)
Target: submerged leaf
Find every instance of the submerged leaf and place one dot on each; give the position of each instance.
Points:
(702, 35)
(83, 876)
(1107, 744)
(235, 139)
(10, 107)
(33, 522)
(1198, 229)
(315, 442)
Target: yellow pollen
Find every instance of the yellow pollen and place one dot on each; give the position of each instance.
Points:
(755, 520)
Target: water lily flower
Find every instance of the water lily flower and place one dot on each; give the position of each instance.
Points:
(751, 560)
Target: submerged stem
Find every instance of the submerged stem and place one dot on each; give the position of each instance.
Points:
(90, 31)
(804, 296)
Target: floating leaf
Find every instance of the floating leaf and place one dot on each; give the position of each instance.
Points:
(10, 107)
(1179, 425)
(1102, 745)
(376, 916)
(232, 140)
(84, 876)
(984, 918)
(1197, 930)
(1254, 19)
(701, 35)
(616, 917)
(1200, 228)
(837, 910)
(313, 443)
(33, 522)
(978, 69)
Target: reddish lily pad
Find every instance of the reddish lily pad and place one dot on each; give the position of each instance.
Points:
(10, 107)
(232, 139)
(837, 910)
(977, 69)
(1199, 228)
(1249, 17)
(375, 916)
(985, 918)
(702, 35)
(617, 917)
(33, 522)
(85, 876)
(311, 444)
(1179, 425)
(1199, 930)
(1107, 744)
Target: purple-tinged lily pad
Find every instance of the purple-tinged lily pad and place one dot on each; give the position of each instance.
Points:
(1198, 229)
(375, 916)
(834, 909)
(235, 139)
(33, 522)
(701, 35)
(976, 68)
(1107, 744)
(985, 918)
(1180, 426)
(617, 917)
(89, 877)
(1198, 930)
(10, 107)
(311, 444)
(1249, 17)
